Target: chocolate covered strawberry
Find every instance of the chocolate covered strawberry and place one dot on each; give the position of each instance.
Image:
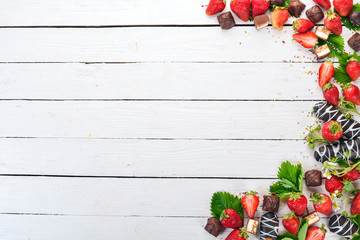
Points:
(307, 40)
(333, 23)
(332, 131)
(241, 8)
(352, 175)
(259, 7)
(355, 205)
(229, 218)
(302, 25)
(291, 223)
(324, 3)
(334, 185)
(215, 6)
(250, 203)
(353, 69)
(331, 94)
(297, 202)
(326, 72)
(237, 234)
(316, 233)
(351, 93)
(322, 203)
(343, 7)
(279, 17)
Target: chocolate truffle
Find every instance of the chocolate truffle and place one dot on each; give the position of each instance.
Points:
(226, 20)
(322, 51)
(213, 226)
(322, 33)
(315, 14)
(279, 3)
(354, 18)
(313, 218)
(342, 226)
(354, 42)
(270, 203)
(313, 178)
(296, 7)
(252, 226)
(261, 21)
(269, 226)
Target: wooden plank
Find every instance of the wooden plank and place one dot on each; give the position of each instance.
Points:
(109, 12)
(19, 227)
(144, 44)
(156, 119)
(161, 158)
(160, 81)
(124, 196)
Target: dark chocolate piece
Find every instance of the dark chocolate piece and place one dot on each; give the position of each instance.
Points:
(269, 226)
(313, 178)
(261, 21)
(226, 20)
(252, 226)
(322, 51)
(313, 218)
(354, 18)
(354, 42)
(213, 226)
(270, 203)
(322, 33)
(315, 14)
(342, 226)
(296, 7)
(279, 3)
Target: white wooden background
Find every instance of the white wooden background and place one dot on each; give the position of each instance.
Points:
(119, 119)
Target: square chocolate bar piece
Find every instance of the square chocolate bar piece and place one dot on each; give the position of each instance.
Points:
(214, 227)
(322, 33)
(322, 51)
(354, 42)
(226, 20)
(313, 218)
(271, 203)
(313, 178)
(252, 226)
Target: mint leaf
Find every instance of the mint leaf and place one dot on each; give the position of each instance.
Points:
(224, 200)
(303, 227)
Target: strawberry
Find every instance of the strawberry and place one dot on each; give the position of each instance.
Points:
(231, 219)
(331, 94)
(333, 22)
(343, 7)
(291, 223)
(250, 203)
(352, 93)
(297, 202)
(355, 205)
(215, 6)
(241, 8)
(322, 203)
(326, 72)
(353, 69)
(334, 185)
(332, 131)
(324, 3)
(352, 175)
(316, 233)
(237, 234)
(259, 7)
(279, 18)
(302, 25)
(307, 40)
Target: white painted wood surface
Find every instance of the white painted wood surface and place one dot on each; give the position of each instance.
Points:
(124, 132)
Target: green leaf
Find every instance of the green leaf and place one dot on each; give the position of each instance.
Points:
(303, 227)
(335, 43)
(346, 21)
(348, 187)
(286, 236)
(342, 162)
(356, 219)
(224, 200)
(356, 237)
(340, 75)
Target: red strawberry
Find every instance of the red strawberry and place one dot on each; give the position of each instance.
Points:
(355, 205)
(307, 40)
(302, 25)
(326, 72)
(279, 18)
(331, 94)
(322, 203)
(316, 233)
(352, 94)
(215, 6)
(324, 3)
(229, 218)
(250, 203)
(259, 7)
(343, 7)
(333, 22)
(241, 8)
(334, 185)
(332, 130)
(237, 234)
(353, 69)
(291, 223)
(297, 202)
(352, 175)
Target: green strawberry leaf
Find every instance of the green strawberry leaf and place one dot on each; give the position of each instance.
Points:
(356, 219)
(287, 236)
(335, 43)
(348, 187)
(224, 200)
(342, 162)
(346, 21)
(340, 75)
(303, 227)
(291, 180)
(356, 237)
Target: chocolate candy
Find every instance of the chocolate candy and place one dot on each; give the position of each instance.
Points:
(322, 51)
(270, 203)
(342, 226)
(226, 20)
(296, 7)
(313, 178)
(269, 226)
(315, 14)
(252, 226)
(338, 150)
(261, 21)
(313, 218)
(213, 226)
(354, 42)
(322, 33)
(279, 3)
(354, 18)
